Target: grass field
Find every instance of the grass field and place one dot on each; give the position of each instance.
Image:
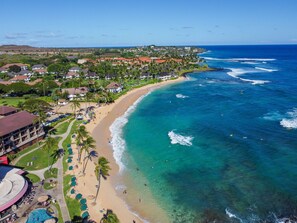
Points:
(33, 178)
(11, 101)
(39, 158)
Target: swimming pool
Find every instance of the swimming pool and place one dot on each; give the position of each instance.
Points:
(38, 216)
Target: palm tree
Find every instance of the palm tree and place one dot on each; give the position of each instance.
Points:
(75, 105)
(102, 169)
(81, 134)
(48, 145)
(88, 157)
(109, 217)
(87, 144)
(57, 153)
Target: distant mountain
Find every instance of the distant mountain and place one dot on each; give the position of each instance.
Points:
(17, 47)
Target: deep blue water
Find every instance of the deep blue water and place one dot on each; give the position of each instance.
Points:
(222, 146)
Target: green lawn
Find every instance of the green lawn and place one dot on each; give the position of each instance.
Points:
(72, 204)
(51, 174)
(33, 178)
(48, 186)
(62, 128)
(68, 141)
(39, 158)
(11, 101)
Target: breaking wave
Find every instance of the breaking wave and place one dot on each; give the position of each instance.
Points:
(236, 72)
(265, 69)
(116, 129)
(290, 122)
(230, 215)
(241, 59)
(180, 139)
(181, 96)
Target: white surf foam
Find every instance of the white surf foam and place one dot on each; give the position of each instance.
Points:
(230, 215)
(236, 72)
(180, 139)
(116, 129)
(251, 63)
(290, 122)
(265, 69)
(240, 59)
(181, 96)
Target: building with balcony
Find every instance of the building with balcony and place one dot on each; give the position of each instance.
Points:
(19, 130)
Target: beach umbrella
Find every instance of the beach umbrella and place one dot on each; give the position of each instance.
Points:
(42, 199)
(78, 196)
(83, 201)
(69, 160)
(69, 149)
(73, 183)
(85, 214)
(68, 145)
(73, 178)
(72, 191)
(83, 207)
(71, 168)
(70, 153)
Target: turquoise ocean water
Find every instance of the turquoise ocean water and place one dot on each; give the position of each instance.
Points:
(221, 146)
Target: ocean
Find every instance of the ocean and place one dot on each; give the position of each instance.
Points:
(220, 146)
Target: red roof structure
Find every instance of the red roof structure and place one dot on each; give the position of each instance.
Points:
(4, 160)
(6, 110)
(15, 121)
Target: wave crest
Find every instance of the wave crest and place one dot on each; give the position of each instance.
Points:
(290, 122)
(180, 139)
(116, 129)
(235, 72)
(265, 69)
(240, 59)
(181, 96)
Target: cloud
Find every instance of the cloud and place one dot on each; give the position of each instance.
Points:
(15, 35)
(48, 35)
(187, 27)
(294, 40)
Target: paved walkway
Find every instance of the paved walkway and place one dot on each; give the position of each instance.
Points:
(60, 186)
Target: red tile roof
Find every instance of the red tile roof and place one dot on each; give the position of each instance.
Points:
(19, 78)
(6, 110)
(15, 121)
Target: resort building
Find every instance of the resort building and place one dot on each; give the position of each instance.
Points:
(19, 130)
(13, 188)
(75, 92)
(114, 87)
(6, 110)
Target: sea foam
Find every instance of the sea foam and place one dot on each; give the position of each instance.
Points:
(265, 69)
(236, 72)
(240, 59)
(230, 215)
(181, 96)
(180, 139)
(290, 122)
(116, 129)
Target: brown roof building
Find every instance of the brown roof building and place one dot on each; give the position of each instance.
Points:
(6, 110)
(19, 130)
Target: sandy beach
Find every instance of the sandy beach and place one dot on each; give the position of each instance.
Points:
(108, 197)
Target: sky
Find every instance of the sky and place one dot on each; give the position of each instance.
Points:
(107, 23)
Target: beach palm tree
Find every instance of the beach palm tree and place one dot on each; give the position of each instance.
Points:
(48, 145)
(109, 217)
(89, 156)
(87, 144)
(101, 170)
(57, 153)
(81, 135)
(75, 105)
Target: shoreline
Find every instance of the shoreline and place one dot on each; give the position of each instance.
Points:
(109, 197)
